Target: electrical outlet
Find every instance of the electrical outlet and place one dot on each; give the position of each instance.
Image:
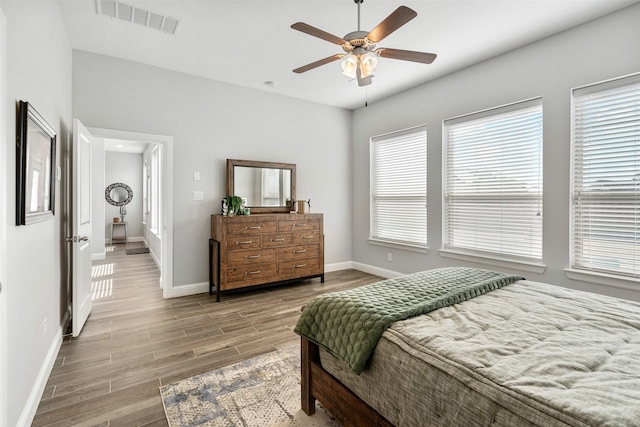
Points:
(389, 257)
(198, 195)
(44, 328)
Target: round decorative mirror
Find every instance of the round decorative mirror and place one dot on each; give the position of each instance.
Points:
(118, 194)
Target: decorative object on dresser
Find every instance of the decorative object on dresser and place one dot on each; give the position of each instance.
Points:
(264, 249)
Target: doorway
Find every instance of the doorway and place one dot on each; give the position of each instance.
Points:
(160, 237)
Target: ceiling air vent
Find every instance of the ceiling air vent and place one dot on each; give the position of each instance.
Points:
(116, 9)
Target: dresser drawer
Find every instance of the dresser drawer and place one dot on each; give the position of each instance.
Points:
(276, 239)
(257, 227)
(251, 257)
(299, 225)
(298, 268)
(298, 252)
(260, 273)
(306, 237)
(238, 242)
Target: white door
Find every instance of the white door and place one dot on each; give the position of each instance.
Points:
(80, 226)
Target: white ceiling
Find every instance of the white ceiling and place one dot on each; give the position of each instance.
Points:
(248, 43)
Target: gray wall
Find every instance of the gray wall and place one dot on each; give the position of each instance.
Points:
(38, 71)
(606, 48)
(211, 122)
(125, 168)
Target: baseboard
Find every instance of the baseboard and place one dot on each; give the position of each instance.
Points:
(99, 256)
(31, 406)
(337, 266)
(200, 288)
(186, 290)
(374, 270)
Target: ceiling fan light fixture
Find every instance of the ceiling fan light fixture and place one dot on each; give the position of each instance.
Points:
(368, 64)
(349, 65)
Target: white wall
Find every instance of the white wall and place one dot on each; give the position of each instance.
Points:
(599, 50)
(38, 71)
(127, 169)
(210, 122)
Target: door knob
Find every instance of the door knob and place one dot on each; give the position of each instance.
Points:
(76, 239)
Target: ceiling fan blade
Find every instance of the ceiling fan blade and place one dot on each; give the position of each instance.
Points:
(397, 19)
(407, 55)
(313, 31)
(318, 63)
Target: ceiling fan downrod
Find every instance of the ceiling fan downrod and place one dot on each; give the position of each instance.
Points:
(358, 2)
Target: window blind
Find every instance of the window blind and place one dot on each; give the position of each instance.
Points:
(493, 182)
(606, 177)
(399, 187)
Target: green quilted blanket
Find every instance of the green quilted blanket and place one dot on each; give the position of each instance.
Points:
(349, 323)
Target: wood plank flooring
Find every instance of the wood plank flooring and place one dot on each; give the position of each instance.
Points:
(135, 341)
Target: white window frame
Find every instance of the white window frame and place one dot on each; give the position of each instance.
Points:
(600, 250)
(406, 226)
(469, 243)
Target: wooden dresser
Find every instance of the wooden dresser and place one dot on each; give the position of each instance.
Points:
(264, 249)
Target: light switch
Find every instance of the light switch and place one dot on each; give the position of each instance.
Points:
(196, 176)
(198, 195)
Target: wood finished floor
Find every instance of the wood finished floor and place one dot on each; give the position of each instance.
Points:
(135, 341)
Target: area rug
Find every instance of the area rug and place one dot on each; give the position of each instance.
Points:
(263, 391)
(136, 251)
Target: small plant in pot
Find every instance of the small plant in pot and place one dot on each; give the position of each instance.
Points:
(234, 205)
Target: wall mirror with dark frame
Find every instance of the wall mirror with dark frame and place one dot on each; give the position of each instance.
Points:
(269, 187)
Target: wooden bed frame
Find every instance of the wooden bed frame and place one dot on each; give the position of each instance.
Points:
(318, 384)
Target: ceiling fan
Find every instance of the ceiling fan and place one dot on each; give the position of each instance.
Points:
(360, 57)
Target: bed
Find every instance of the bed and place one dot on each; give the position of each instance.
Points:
(520, 353)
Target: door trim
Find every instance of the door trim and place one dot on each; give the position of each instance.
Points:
(3, 221)
(166, 263)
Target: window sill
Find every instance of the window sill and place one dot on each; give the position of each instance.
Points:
(528, 266)
(402, 246)
(603, 279)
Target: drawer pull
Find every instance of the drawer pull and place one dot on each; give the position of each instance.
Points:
(253, 227)
(253, 256)
(300, 251)
(252, 272)
(299, 225)
(306, 237)
(299, 265)
(281, 239)
(248, 242)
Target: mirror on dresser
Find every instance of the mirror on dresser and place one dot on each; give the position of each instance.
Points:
(269, 187)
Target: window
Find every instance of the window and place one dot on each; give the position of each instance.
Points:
(399, 187)
(606, 177)
(493, 182)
